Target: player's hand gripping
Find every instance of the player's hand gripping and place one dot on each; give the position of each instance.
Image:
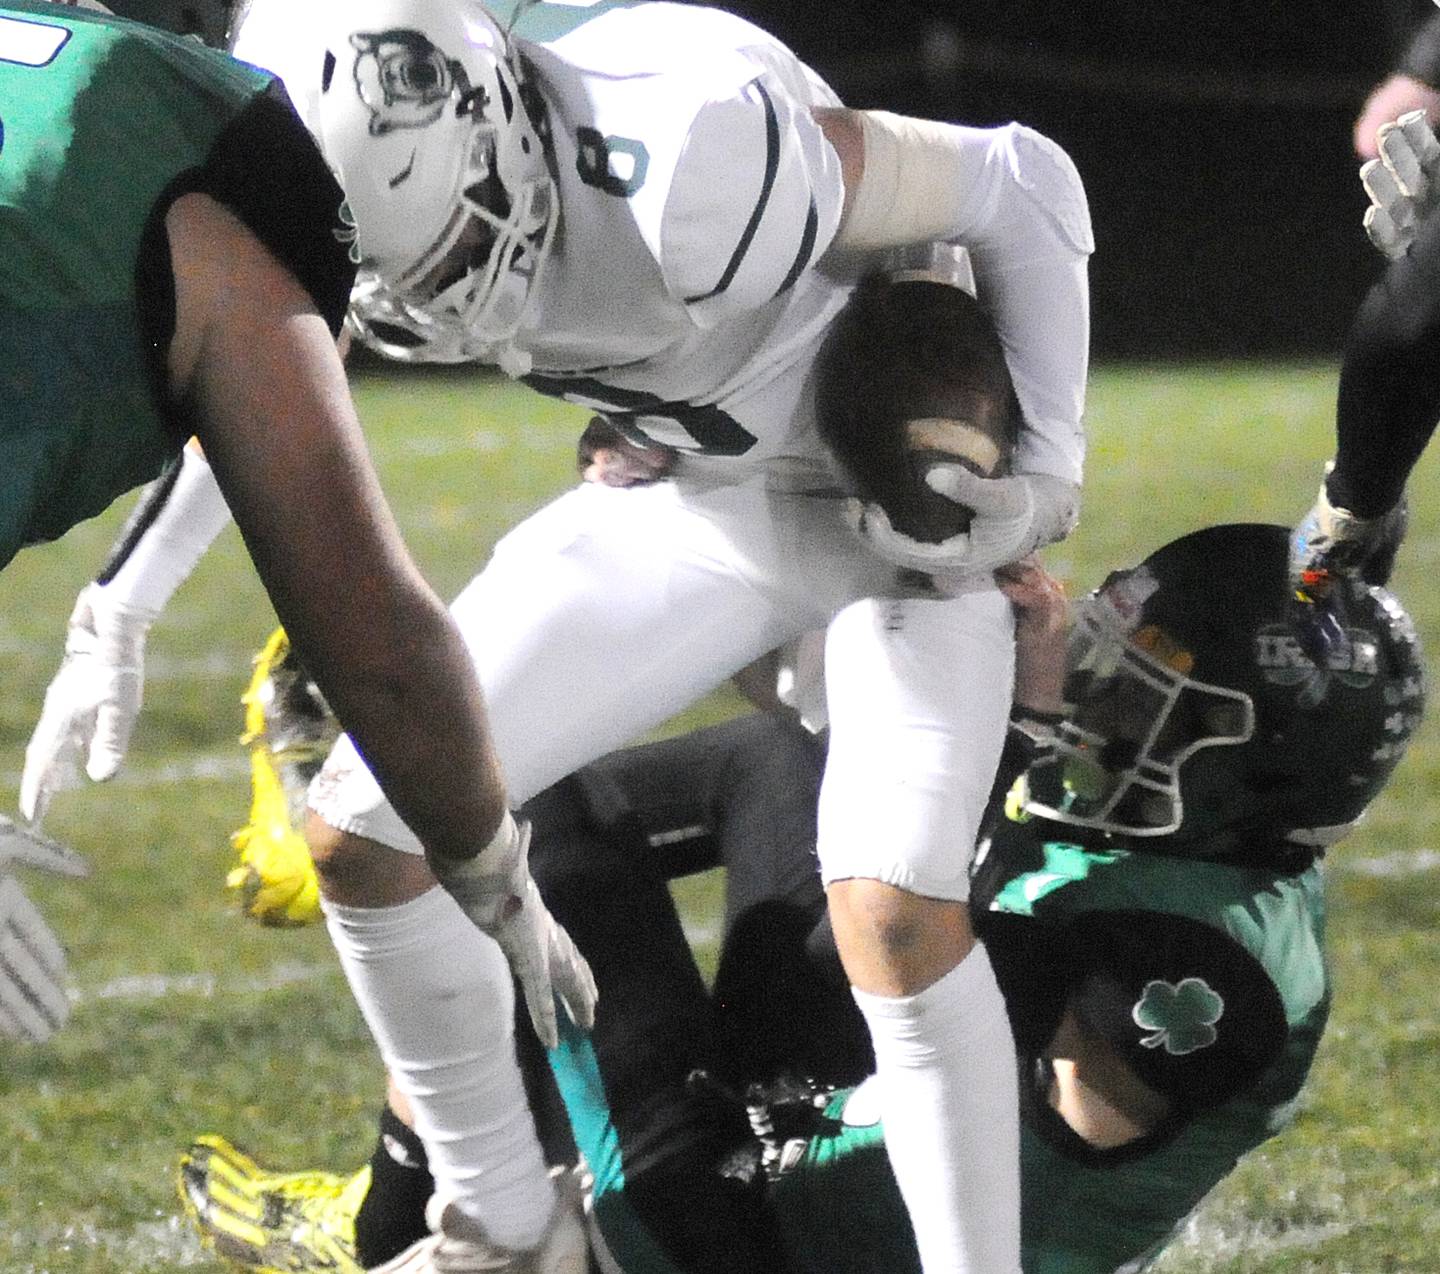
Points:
(1328, 544)
(495, 889)
(1403, 183)
(33, 1003)
(1010, 517)
(91, 704)
(1042, 617)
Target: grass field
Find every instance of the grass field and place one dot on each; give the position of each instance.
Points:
(190, 1019)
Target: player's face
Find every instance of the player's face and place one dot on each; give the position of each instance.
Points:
(468, 253)
(1133, 715)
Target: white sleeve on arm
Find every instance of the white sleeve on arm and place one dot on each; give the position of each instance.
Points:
(169, 532)
(1014, 199)
(755, 199)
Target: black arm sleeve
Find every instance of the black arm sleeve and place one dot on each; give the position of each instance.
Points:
(1192, 1012)
(1389, 397)
(268, 171)
(1421, 58)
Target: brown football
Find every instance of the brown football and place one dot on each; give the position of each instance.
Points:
(912, 372)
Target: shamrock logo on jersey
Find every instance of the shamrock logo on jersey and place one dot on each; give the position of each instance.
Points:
(404, 79)
(1181, 1015)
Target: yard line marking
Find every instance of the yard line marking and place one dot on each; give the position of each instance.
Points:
(159, 666)
(171, 1241)
(701, 933)
(160, 986)
(1257, 1238)
(1403, 862)
(215, 765)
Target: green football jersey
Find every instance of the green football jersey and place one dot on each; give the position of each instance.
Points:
(103, 123)
(99, 118)
(1209, 978)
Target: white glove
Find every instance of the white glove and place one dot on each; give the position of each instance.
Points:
(495, 889)
(91, 704)
(1403, 183)
(1330, 542)
(1010, 517)
(33, 1003)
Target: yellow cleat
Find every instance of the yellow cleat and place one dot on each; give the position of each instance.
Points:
(288, 729)
(271, 1222)
(275, 879)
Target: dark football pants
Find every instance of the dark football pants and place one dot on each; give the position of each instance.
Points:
(606, 841)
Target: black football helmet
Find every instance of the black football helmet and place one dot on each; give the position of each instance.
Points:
(1194, 713)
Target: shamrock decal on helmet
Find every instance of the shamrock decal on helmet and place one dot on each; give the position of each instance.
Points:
(1181, 1015)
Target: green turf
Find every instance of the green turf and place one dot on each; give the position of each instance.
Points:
(252, 1033)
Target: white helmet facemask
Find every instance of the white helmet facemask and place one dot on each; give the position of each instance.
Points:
(1134, 716)
(428, 123)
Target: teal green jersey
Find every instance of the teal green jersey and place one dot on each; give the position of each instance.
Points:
(1209, 979)
(1212, 975)
(837, 1205)
(103, 123)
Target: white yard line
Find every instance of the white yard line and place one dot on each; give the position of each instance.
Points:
(1407, 862)
(158, 986)
(704, 933)
(1202, 1236)
(171, 1241)
(227, 765)
(214, 665)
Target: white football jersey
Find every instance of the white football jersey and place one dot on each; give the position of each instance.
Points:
(682, 297)
(696, 191)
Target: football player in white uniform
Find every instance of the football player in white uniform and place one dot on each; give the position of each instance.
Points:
(654, 210)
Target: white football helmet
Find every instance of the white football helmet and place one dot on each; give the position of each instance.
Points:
(439, 142)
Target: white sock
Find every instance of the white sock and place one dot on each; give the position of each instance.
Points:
(945, 1063)
(437, 996)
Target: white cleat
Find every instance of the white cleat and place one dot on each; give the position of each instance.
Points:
(459, 1245)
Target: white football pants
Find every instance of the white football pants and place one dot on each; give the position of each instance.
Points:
(611, 609)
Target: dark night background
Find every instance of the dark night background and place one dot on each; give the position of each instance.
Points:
(1214, 140)
(1213, 137)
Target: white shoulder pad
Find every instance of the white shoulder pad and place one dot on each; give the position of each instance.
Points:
(1048, 175)
(755, 199)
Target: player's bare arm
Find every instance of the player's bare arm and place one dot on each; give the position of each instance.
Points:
(1042, 616)
(257, 367)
